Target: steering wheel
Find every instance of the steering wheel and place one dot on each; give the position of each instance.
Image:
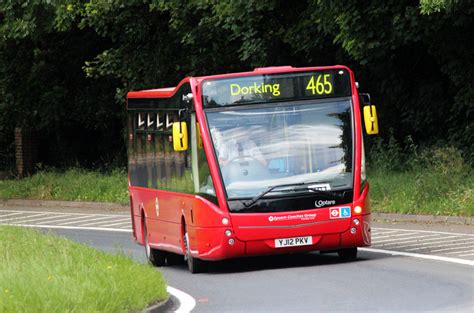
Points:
(241, 158)
(234, 170)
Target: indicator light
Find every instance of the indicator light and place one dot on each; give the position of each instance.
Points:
(225, 221)
(356, 221)
(353, 230)
(228, 233)
(357, 210)
(231, 241)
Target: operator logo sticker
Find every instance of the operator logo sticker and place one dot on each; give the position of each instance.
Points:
(342, 212)
(334, 213)
(293, 217)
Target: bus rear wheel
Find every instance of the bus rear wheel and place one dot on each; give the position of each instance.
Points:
(348, 254)
(154, 256)
(195, 265)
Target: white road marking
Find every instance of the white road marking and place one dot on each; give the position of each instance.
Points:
(98, 218)
(64, 213)
(396, 235)
(397, 239)
(421, 256)
(57, 219)
(80, 219)
(9, 214)
(381, 230)
(436, 246)
(125, 226)
(419, 242)
(21, 217)
(187, 303)
(105, 222)
(468, 254)
(75, 227)
(128, 223)
(457, 252)
(48, 218)
(427, 231)
(463, 249)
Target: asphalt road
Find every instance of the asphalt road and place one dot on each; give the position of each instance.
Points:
(311, 282)
(431, 239)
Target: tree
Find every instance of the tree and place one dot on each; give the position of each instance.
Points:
(66, 65)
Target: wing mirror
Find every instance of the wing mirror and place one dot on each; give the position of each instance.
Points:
(370, 119)
(370, 115)
(180, 136)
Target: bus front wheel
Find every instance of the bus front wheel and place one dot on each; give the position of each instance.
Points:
(348, 254)
(195, 265)
(154, 256)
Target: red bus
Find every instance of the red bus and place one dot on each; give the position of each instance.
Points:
(254, 163)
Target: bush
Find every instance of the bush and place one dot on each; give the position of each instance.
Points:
(436, 180)
(74, 184)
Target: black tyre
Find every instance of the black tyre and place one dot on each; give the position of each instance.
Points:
(348, 254)
(154, 256)
(174, 259)
(195, 265)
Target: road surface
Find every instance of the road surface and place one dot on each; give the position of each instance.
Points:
(302, 282)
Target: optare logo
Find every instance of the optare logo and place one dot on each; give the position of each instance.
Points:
(321, 203)
(270, 218)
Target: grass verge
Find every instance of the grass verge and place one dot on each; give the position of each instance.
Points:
(418, 192)
(72, 185)
(46, 273)
(436, 181)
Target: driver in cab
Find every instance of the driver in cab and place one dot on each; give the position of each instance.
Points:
(234, 149)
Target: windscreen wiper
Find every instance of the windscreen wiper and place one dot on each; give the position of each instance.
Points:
(271, 188)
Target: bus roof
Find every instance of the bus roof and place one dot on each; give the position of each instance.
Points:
(169, 91)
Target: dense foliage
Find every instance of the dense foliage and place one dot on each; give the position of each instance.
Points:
(65, 65)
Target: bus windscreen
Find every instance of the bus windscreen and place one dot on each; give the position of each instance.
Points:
(276, 87)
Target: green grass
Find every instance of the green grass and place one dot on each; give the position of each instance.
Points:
(46, 273)
(72, 185)
(421, 192)
(435, 181)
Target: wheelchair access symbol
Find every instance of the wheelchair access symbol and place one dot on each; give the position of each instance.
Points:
(343, 212)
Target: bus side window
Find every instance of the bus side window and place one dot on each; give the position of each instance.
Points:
(175, 165)
(153, 163)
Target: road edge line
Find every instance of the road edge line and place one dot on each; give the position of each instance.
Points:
(187, 303)
(421, 256)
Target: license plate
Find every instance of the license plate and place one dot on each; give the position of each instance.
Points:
(293, 242)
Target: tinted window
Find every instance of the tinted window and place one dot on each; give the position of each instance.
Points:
(152, 161)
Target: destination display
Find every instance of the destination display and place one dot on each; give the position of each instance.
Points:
(276, 87)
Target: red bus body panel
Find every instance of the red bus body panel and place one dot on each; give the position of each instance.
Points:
(254, 233)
